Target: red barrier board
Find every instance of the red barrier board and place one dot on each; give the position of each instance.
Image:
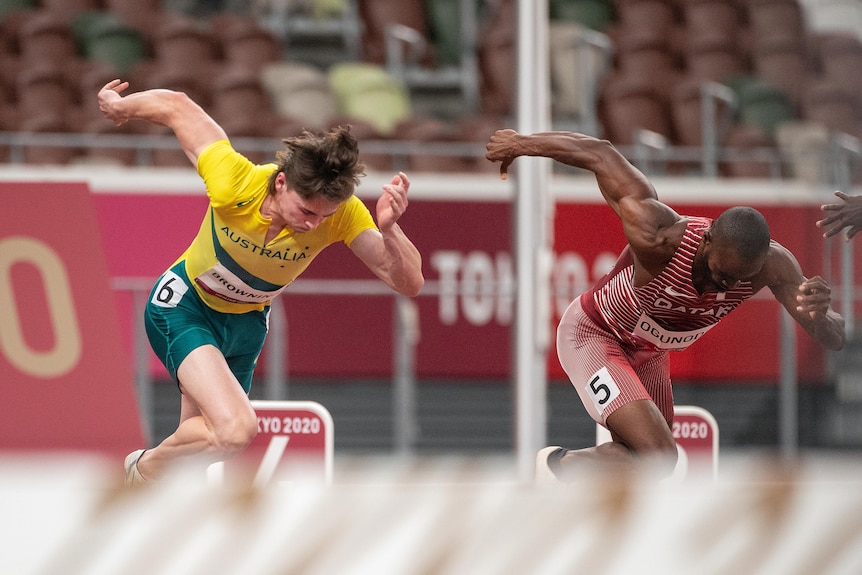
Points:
(294, 443)
(695, 431)
(65, 375)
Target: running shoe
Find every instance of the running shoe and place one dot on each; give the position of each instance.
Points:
(133, 476)
(545, 474)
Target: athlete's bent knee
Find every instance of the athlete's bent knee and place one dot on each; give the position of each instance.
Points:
(662, 460)
(232, 439)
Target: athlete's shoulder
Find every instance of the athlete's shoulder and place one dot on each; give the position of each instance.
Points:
(216, 148)
(222, 152)
(780, 266)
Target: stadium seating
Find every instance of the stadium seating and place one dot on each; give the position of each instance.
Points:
(838, 56)
(762, 105)
(301, 92)
(366, 91)
(644, 75)
(429, 130)
(9, 6)
(834, 106)
(185, 44)
(593, 14)
(715, 58)
(437, 63)
(496, 54)
(47, 154)
(134, 12)
(774, 19)
(104, 37)
(68, 9)
(746, 139)
(109, 155)
(46, 37)
(687, 112)
(244, 42)
(711, 22)
(43, 89)
(785, 64)
(378, 15)
(579, 59)
(630, 104)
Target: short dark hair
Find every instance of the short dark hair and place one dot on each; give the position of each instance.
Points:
(744, 229)
(320, 164)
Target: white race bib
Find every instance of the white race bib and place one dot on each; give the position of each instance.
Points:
(169, 291)
(648, 330)
(222, 283)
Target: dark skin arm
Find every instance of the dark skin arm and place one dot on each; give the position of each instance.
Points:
(807, 300)
(652, 229)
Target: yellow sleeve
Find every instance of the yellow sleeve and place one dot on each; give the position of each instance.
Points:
(356, 219)
(228, 175)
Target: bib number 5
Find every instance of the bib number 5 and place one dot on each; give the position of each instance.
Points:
(602, 389)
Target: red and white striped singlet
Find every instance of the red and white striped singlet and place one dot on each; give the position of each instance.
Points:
(668, 312)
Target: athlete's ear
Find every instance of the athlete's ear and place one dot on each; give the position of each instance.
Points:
(707, 236)
(280, 182)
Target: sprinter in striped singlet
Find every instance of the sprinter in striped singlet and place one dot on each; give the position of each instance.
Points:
(676, 278)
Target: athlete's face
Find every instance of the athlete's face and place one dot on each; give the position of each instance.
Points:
(726, 269)
(304, 215)
(301, 214)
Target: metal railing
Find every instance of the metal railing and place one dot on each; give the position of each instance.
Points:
(145, 145)
(650, 152)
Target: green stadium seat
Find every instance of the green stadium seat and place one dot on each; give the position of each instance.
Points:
(761, 104)
(7, 6)
(444, 23)
(594, 14)
(106, 38)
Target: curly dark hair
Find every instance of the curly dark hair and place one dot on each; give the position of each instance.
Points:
(320, 164)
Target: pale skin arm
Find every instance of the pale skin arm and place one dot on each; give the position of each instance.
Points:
(651, 227)
(389, 253)
(847, 214)
(193, 127)
(807, 300)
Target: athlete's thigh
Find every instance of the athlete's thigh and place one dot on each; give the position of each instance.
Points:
(597, 365)
(207, 382)
(615, 397)
(653, 370)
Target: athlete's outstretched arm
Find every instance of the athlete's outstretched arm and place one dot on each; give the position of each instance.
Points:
(646, 220)
(389, 253)
(193, 127)
(807, 300)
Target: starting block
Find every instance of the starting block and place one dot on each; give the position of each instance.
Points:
(696, 433)
(294, 443)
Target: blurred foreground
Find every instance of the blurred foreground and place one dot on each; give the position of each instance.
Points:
(69, 514)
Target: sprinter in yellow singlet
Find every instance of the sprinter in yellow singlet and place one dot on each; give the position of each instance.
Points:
(206, 317)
